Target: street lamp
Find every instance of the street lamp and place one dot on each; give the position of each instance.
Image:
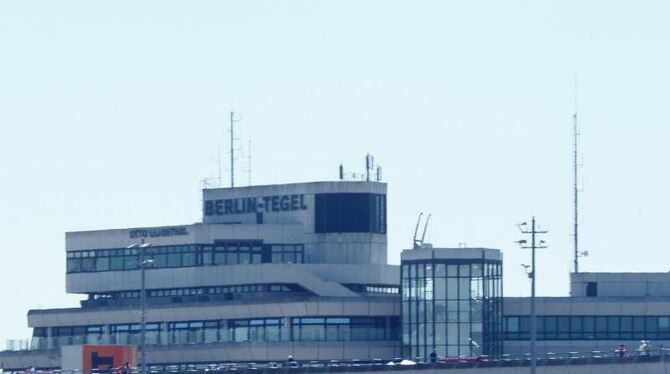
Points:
(533, 324)
(143, 263)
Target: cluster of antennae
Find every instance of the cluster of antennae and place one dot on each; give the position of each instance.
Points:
(373, 172)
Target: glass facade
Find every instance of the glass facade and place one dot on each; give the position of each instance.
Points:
(589, 327)
(454, 306)
(256, 330)
(194, 332)
(344, 328)
(174, 256)
(129, 333)
(350, 212)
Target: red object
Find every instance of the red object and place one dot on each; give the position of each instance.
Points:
(108, 357)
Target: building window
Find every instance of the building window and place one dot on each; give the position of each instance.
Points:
(130, 333)
(256, 330)
(193, 332)
(235, 253)
(343, 329)
(350, 212)
(222, 253)
(592, 289)
(589, 327)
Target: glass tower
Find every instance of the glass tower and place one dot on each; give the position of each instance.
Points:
(451, 302)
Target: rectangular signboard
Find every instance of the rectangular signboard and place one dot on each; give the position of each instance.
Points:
(102, 358)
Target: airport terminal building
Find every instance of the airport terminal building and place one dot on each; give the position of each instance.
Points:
(270, 271)
(301, 269)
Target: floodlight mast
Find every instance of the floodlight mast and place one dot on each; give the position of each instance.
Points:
(533, 232)
(142, 264)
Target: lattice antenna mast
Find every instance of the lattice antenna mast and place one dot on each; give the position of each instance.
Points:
(249, 161)
(232, 148)
(575, 187)
(218, 162)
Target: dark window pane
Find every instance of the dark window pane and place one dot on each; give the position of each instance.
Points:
(563, 327)
(74, 265)
(188, 259)
(613, 329)
(102, 263)
(592, 289)
(350, 212)
(576, 331)
(116, 263)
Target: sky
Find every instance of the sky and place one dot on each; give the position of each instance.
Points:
(111, 113)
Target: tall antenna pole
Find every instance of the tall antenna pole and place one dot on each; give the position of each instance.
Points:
(218, 161)
(575, 166)
(249, 160)
(534, 244)
(232, 148)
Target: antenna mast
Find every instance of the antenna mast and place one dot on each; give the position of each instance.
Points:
(249, 160)
(575, 166)
(232, 148)
(218, 162)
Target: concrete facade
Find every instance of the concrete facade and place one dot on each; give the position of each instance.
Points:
(325, 289)
(326, 292)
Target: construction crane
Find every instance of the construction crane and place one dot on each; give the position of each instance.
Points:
(418, 243)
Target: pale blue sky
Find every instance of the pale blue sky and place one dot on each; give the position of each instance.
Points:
(111, 113)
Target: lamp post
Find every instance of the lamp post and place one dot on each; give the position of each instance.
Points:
(143, 263)
(533, 323)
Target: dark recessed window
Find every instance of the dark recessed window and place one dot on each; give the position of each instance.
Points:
(350, 212)
(592, 289)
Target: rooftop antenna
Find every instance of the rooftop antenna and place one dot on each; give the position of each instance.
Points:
(379, 173)
(341, 172)
(575, 190)
(425, 228)
(369, 165)
(415, 243)
(249, 161)
(232, 148)
(218, 161)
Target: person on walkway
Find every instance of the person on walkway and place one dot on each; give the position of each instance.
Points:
(647, 348)
(644, 348)
(433, 356)
(621, 350)
(125, 369)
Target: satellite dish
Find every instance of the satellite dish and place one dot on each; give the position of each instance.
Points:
(585, 253)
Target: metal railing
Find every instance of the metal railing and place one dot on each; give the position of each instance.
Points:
(508, 360)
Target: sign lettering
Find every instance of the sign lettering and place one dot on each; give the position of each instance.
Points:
(161, 231)
(243, 205)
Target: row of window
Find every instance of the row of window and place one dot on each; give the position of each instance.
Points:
(344, 329)
(589, 327)
(430, 270)
(241, 330)
(448, 288)
(221, 253)
(194, 291)
(256, 330)
(377, 289)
